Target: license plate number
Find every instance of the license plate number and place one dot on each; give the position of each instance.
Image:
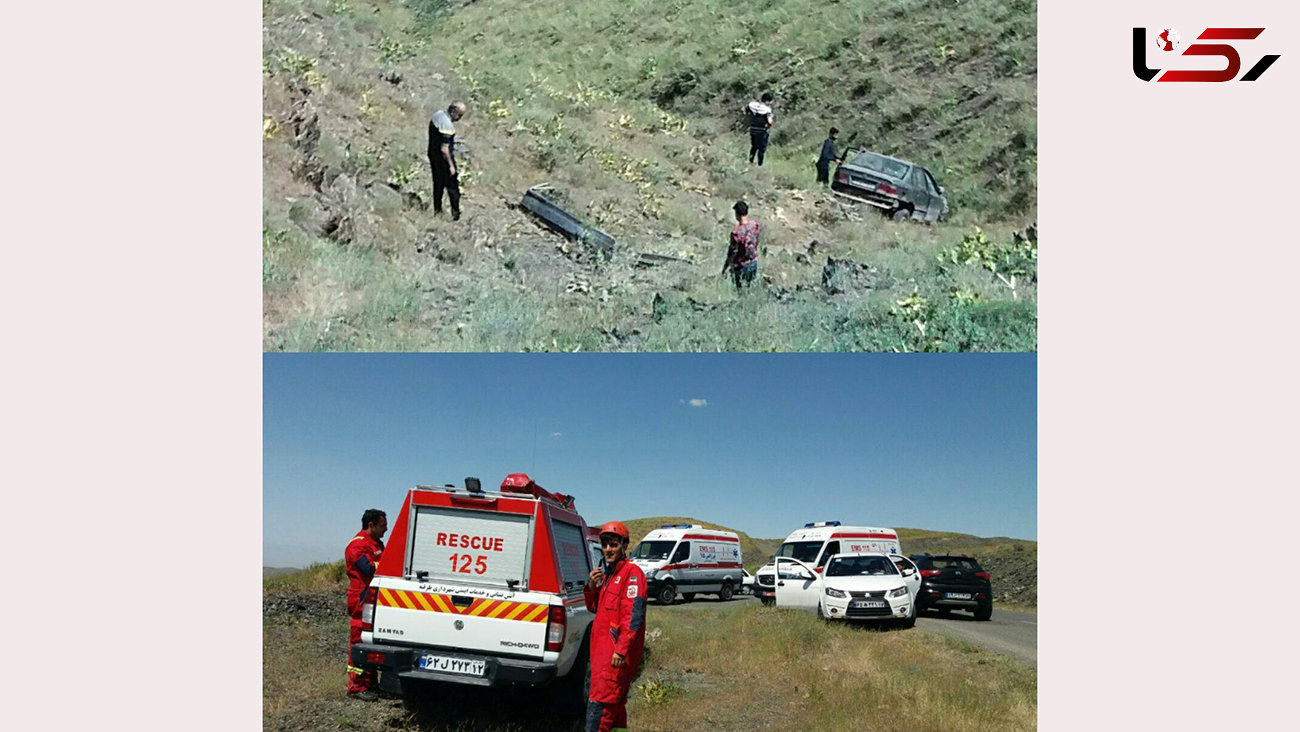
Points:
(867, 603)
(958, 595)
(448, 665)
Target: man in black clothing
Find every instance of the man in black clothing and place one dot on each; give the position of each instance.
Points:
(442, 157)
(828, 154)
(760, 126)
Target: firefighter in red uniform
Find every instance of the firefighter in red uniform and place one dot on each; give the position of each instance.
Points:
(616, 592)
(359, 560)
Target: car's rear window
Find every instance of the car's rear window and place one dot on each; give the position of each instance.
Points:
(881, 164)
(952, 563)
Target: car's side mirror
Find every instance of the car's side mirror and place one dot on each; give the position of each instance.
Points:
(909, 572)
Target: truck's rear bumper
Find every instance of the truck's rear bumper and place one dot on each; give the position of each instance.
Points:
(403, 660)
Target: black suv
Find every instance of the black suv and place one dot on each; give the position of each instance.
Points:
(951, 581)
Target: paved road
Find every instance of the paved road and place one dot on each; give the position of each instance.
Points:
(1009, 632)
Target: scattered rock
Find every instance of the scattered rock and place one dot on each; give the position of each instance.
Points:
(309, 214)
(392, 76)
(441, 251)
(385, 198)
(841, 275)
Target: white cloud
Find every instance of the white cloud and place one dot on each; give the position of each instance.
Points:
(695, 402)
(556, 435)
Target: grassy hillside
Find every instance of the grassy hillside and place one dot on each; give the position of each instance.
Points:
(630, 111)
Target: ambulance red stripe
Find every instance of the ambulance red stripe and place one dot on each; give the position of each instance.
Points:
(864, 536)
(706, 537)
(719, 565)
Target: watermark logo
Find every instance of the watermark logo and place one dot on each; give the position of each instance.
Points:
(1168, 41)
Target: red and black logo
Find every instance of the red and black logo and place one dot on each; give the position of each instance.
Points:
(1167, 40)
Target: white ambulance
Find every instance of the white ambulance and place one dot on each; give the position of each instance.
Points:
(817, 542)
(689, 559)
(483, 588)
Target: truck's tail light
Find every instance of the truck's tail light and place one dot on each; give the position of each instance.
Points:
(929, 573)
(376, 657)
(368, 608)
(887, 189)
(982, 575)
(555, 627)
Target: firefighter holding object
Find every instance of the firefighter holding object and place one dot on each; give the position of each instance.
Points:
(616, 592)
(360, 558)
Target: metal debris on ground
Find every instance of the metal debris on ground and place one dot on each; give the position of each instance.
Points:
(564, 223)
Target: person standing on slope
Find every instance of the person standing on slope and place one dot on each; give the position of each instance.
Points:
(616, 592)
(742, 251)
(760, 126)
(442, 157)
(360, 558)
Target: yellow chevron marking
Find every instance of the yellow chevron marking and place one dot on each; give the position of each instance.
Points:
(443, 605)
(535, 615)
(388, 598)
(518, 609)
(501, 608)
(406, 598)
(482, 606)
(419, 596)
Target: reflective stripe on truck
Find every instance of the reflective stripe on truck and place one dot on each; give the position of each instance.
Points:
(427, 601)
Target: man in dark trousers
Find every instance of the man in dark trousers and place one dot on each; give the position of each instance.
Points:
(742, 251)
(442, 157)
(828, 155)
(760, 126)
(616, 592)
(360, 557)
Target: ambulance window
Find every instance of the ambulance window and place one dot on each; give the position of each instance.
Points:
(804, 551)
(655, 550)
(683, 551)
(832, 548)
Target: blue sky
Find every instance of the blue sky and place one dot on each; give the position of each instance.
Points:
(760, 443)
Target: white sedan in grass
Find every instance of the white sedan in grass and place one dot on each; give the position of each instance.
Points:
(863, 586)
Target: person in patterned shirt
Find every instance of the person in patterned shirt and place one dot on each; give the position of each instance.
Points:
(742, 254)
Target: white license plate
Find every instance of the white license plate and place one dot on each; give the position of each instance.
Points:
(448, 665)
(867, 603)
(958, 595)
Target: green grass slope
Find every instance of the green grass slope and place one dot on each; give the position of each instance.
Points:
(630, 110)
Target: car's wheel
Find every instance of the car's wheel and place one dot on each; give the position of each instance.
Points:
(667, 594)
(901, 214)
(984, 612)
(727, 592)
(688, 596)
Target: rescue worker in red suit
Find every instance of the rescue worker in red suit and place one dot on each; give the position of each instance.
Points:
(360, 558)
(616, 592)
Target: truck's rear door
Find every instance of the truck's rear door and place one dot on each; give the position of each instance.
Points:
(465, 585)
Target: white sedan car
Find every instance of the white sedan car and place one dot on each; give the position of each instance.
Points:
(864, 586)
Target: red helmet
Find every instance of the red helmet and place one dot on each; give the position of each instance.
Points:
(615, 527)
